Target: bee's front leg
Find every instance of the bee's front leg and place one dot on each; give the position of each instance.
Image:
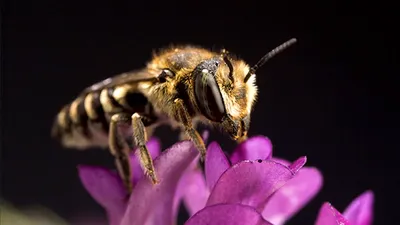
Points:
(120, 149)
(185, 119)
(183, 136)
(242, 139)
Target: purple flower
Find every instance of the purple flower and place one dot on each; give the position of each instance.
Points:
(148, 204)
(273, 188)
(250, 187)
(359, 212)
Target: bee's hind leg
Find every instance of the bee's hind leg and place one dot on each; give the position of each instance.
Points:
(120, 149)
(140, 139)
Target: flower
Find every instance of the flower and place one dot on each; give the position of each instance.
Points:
(359, 212)
(272, 186)
(251, 187)
(148, 203)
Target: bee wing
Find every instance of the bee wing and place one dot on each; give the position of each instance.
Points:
(128, 77)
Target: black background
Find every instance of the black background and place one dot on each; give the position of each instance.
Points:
(330, 97)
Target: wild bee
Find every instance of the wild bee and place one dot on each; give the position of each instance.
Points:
(180, 86)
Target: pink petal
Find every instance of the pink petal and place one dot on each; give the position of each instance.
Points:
(153, 204)
(295, 166)
(328, 215)
(250, 183)
(185, 183)
(205, 135)
(360, 210)
(216, 163)
(290, 198)
(191, 182)
(232, 214)
(257, 147)
(107, 189)
(298, 164)
(281, 161)
(196, 192)
(153, 145)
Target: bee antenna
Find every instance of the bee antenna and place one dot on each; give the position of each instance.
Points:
(268, 56)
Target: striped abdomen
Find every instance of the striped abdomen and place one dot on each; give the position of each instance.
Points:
(85, 122)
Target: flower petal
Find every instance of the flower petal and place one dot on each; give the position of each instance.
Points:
(290, 198)
(232, 214)
(153, 145)
(250, 183)
(153, 204)
(186, 184)
(328, 215)
(360, 210)
(106, 188)
(254, 148)
(216, 163)
(192, 182)
(205, 135)
(281, 161)
(196, 192)
(298, 164)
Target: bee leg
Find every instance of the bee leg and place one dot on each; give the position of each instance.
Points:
(140, 138)
(242, 139)
(120, 149)
(184, 117)
(183, 135)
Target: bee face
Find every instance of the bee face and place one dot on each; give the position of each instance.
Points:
(222, 95)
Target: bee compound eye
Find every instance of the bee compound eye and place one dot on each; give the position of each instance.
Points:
(208, 96)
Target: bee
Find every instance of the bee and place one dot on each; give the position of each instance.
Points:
(180, 86)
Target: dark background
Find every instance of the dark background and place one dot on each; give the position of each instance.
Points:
(330, 97)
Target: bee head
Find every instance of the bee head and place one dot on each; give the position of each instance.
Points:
(225, 90)
(221, 94)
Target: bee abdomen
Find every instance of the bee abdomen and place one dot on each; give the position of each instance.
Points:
(85, 122)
